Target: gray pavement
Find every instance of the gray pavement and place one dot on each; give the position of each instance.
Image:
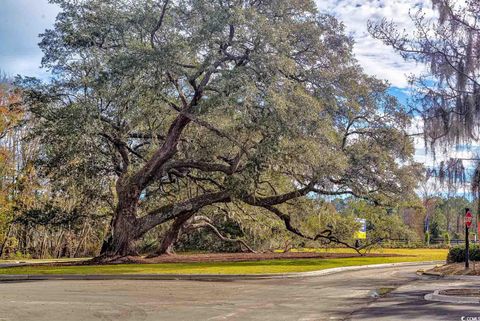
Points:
(341, 296)
(407, 303)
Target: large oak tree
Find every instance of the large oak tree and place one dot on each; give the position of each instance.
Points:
(192, 103)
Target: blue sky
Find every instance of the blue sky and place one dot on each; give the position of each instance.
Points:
(21, 21)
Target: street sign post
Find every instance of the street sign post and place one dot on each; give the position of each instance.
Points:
(468, 224)
(478, 227)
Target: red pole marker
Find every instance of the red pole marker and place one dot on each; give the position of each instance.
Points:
(468, 223)
(468, 219)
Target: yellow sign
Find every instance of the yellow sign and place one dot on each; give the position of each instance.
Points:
(361, 234)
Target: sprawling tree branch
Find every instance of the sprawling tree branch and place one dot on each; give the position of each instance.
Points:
(326, 234)
(198, 222)
(169, 212)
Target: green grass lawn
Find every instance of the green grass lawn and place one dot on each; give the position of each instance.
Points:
(257, 267)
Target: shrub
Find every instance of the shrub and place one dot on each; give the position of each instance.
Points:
(446, 238)
(457, 254)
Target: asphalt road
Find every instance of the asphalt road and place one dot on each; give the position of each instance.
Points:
(342, 296)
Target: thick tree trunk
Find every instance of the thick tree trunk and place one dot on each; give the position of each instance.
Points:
(122, 239)
(124, 227)
(5, 239)
(168, 242)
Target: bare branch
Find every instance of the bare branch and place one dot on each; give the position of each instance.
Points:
(159, 24)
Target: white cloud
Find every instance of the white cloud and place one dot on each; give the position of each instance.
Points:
(376, 58)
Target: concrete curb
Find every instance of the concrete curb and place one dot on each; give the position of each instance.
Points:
(435, 296)
(205, 277)
(452, 277)
(460, 277)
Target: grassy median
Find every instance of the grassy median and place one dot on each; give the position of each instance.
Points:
(253, 267)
